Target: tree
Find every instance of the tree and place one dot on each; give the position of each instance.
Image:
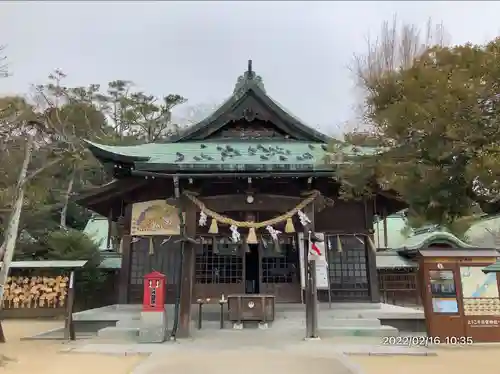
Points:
(136, 115)
(3, 63)
(192, 114)
(436, 116)
(53, 145)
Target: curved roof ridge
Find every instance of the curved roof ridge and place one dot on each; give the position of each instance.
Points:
(420, 240)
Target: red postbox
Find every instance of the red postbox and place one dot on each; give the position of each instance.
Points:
(154, 292)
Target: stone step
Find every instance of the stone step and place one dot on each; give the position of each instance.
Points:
(348, 322)
(358, 331)
(129, 323)
(118, 333)
(335, 322)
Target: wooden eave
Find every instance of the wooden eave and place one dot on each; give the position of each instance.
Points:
(105, 156)
(108, 191)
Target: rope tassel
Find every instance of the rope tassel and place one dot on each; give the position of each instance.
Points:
(255, 225)
(289, 228)
(252, 236)
(214, 229)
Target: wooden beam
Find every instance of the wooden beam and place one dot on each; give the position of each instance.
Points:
(188, 275)
(262, 202)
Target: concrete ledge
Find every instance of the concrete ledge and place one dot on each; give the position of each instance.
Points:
(358, 331)
(118, 333)
(374, 350)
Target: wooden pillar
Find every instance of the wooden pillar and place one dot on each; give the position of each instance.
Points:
(110, 231)
(309, 212)
(124, 276)
(371, 257)
(311, 297)
(188, 276)
(386, 234)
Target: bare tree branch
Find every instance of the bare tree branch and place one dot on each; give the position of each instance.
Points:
(4, 72)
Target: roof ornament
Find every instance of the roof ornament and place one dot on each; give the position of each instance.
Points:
(250, 74)
(246, 81)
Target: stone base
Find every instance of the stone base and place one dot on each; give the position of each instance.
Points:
(237, 326)
(153, 327)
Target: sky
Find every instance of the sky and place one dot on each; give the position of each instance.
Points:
(302, 50)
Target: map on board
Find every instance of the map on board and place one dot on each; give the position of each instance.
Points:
(475, 283)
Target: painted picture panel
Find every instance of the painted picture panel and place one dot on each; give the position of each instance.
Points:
(154, 217)
(476, 284)
(445, 305)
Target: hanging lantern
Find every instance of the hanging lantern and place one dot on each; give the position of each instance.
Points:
(252, 236)
(214, 229)
(289, 228)
(339, 244)
(151, 246)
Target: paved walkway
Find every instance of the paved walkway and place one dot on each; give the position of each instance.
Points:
(247, 361)
(250, 351)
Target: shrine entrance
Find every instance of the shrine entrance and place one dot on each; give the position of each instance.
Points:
(281, 269)
(252, 269)
(267, 267)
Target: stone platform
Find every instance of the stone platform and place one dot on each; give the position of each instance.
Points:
(121, 322)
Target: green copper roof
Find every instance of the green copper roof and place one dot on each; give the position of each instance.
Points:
(396, 237)
(493, 268)
(425, 239)
(97, 230)
(206, 156)
(392, 260)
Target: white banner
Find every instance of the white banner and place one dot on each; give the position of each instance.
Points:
(321, 263)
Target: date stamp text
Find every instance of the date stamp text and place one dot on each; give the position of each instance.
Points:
(425, 341)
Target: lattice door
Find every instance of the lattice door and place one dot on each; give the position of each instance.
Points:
(348, 269)
(218, 269)
(280, 270)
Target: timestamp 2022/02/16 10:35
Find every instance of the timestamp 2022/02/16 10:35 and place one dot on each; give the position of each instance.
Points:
(425, 341)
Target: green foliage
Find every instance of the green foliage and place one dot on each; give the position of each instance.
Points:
(438, 121)
(71, 245)
(75, 245)
(61, 166)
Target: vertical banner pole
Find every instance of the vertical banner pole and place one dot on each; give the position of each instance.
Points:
(314, 301)
(327, 259)
(307, 284)
(69, 327)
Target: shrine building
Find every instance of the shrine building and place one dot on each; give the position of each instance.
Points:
(240, 184)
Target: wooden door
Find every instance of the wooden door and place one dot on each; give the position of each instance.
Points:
(280, 270)
(442, 301)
